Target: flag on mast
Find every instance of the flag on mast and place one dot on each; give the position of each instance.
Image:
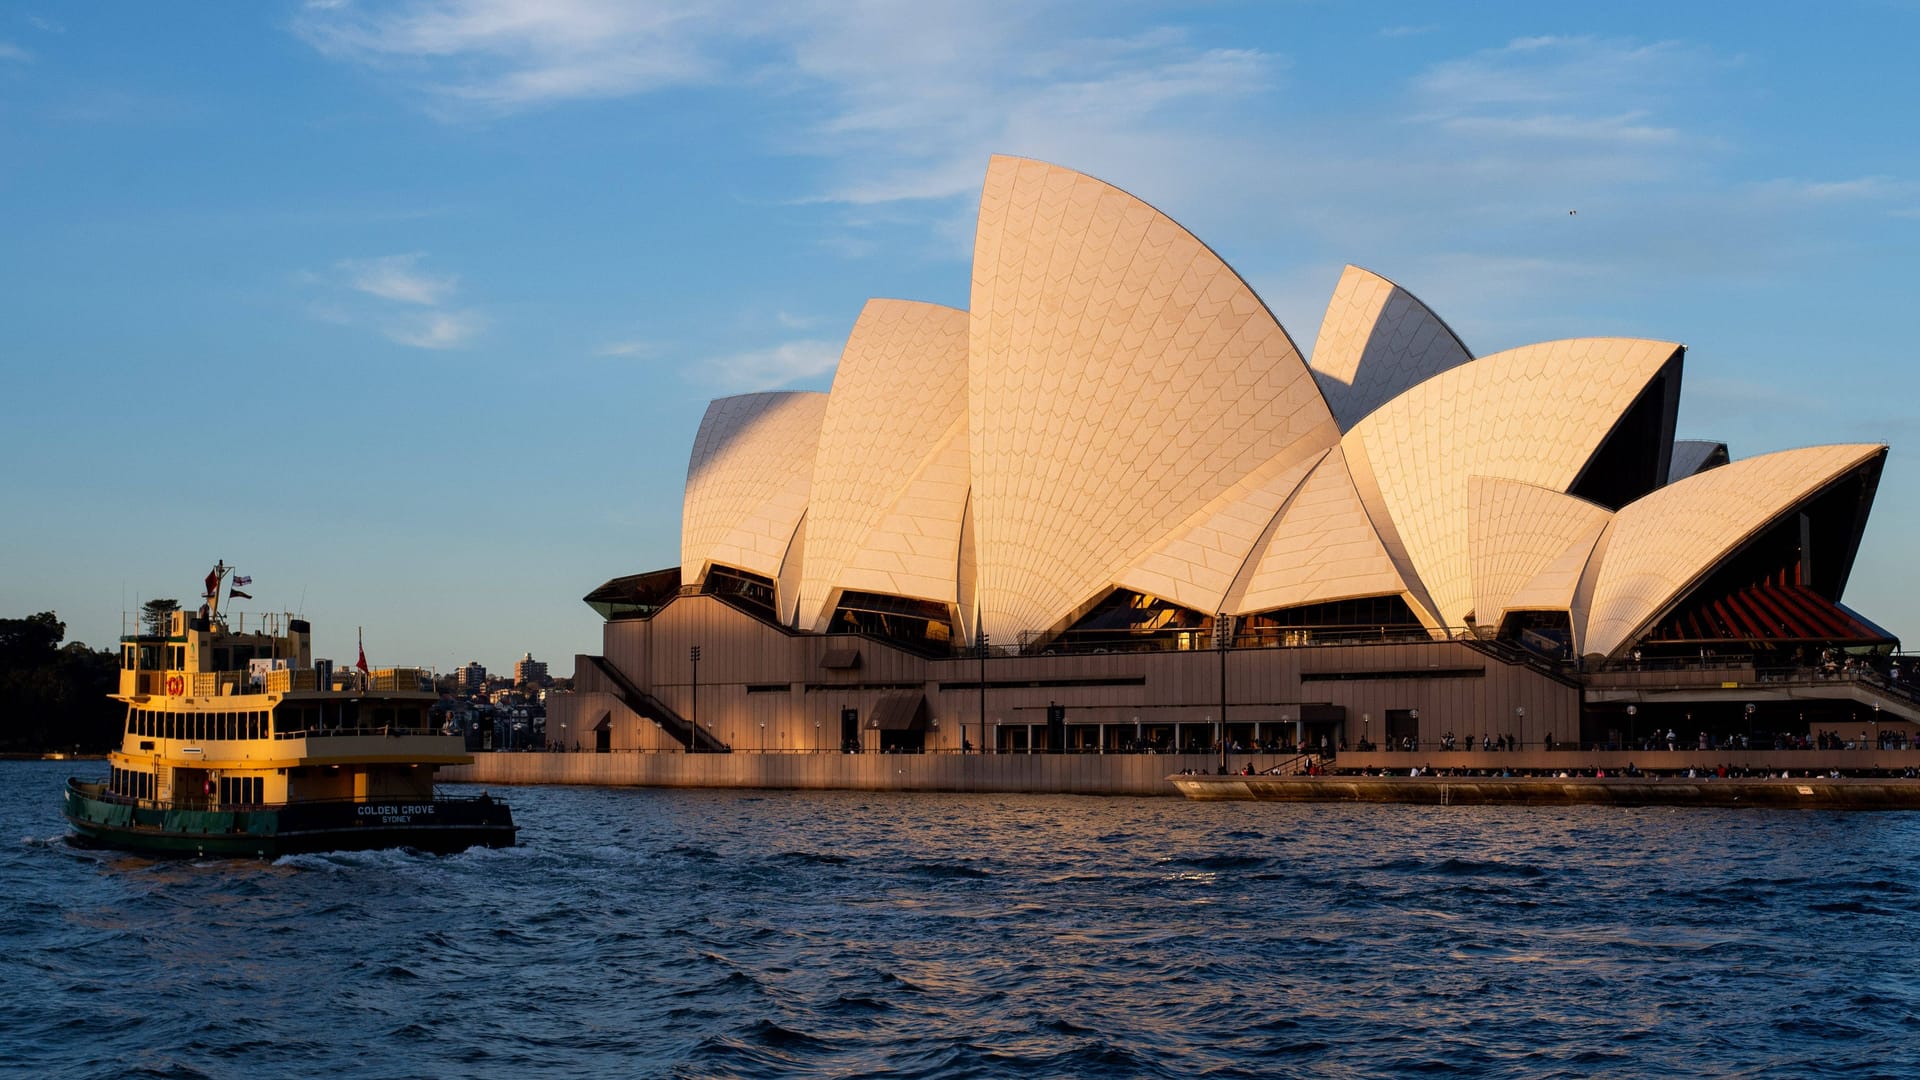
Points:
(237, 594)
(362, 662)
(213, 581)
(243, 579)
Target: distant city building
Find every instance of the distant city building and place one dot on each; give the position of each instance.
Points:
(530, 671)
(472, 678)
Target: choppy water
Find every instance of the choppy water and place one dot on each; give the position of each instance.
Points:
(673, 933)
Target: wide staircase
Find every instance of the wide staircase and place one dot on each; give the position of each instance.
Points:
(696, 739)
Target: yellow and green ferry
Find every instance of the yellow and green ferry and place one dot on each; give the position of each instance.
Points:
(237, 744)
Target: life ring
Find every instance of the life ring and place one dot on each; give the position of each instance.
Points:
(175, 685)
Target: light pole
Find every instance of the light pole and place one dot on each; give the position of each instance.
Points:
(983, 691)
(1749, 711)
(1520, 721)
(1222, 641)
(1632, 711)
(818, 734)
(693, 735)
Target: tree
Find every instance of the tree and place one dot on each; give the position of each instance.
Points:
(56, 696)
(153, 614)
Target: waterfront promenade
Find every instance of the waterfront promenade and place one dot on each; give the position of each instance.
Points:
(1117, 774)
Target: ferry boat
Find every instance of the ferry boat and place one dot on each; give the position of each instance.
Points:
(238, 744)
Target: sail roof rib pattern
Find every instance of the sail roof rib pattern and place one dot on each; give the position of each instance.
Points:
(898, 393)
(748, 481)
(911, 551)
(1535, 414)
(1376, 340)
(1197, 564)
(1660, 545)
(1324, 547)
(1121, 377)
(1117, 437)
(1516, 532)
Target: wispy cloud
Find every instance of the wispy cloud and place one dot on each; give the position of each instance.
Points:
(902, 102)
(10, 51)
(626, 348)
(1556, 87)
(1834, 191)
(392, 295)
(435, 329)
(393, 277)
(762, 369)
(509, 54)
(46, 25)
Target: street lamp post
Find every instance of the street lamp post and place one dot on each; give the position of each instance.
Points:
(1632, 711)
(1520, 718)
(1222, 641)
(983, 691)
(693, 735)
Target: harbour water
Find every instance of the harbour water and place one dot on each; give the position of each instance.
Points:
(710, 933)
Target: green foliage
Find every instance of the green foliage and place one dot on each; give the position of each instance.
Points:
(153, 615)
(54, 697)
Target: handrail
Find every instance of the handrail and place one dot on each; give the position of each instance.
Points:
(101, 794)
(695, 738)
(391, 730)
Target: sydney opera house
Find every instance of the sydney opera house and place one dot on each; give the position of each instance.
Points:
(1112, 507)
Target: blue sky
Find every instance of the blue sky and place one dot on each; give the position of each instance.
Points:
(410, 310)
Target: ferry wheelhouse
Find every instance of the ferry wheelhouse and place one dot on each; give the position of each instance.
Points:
(237, 743)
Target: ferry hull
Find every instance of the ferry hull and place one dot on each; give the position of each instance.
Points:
(440, 825)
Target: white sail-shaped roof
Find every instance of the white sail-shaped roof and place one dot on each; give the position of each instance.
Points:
(914, 547)
(1376, 340)
(1196, 565)
(748, 481)
(898, 394)
(1323, 547)
(1515, 532)
(1556, 586)
(1661, 544)
(1535, 414)
(1121, 378)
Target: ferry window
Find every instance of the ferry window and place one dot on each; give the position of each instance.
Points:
(383, 716)
(178, 657)
(126, 658)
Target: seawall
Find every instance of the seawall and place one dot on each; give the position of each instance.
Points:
(1845, 793)
(1066, 774)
